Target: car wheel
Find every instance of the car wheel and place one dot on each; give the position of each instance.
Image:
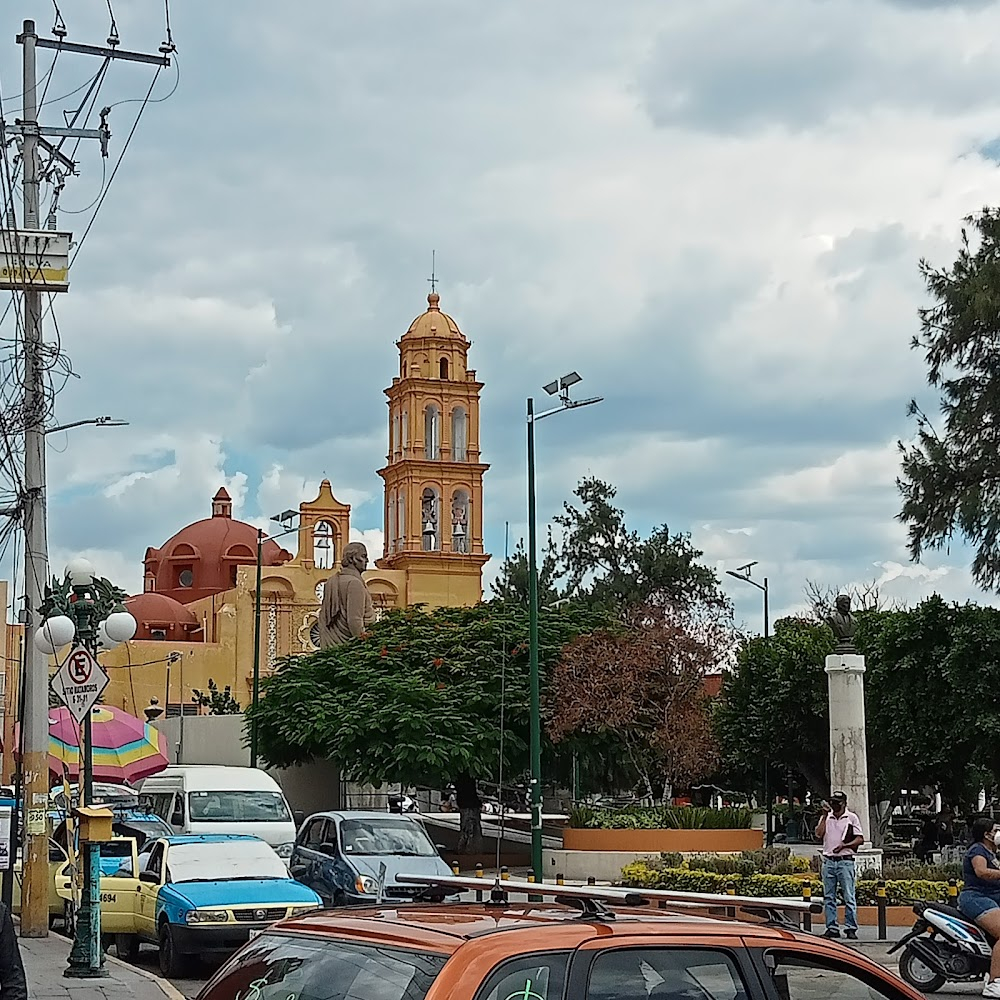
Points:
(172, 962)
(918, 974)
(127, 946)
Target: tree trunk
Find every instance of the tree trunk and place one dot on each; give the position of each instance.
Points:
(470, 819)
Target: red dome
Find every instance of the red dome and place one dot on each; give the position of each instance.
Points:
(202, 559)
(161, 617)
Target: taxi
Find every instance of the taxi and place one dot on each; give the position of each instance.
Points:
(585, 944)
(58, 865)
(197, 895)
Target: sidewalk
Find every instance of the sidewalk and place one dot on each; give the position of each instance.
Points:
(45, 959)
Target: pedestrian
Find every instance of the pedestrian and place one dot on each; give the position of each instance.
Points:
(841, 833)
(13, 985)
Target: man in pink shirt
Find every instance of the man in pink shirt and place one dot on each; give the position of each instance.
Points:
(841, 832)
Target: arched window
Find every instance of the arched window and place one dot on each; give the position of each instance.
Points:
(460, 522)
(390, 524)
(405, 431)
(432, 433)
(324, 550)
(430, 519)
(459, 435)
(394, 442)
(443, 368)
(401, 520)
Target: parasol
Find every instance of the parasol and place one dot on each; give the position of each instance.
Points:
(125, 748)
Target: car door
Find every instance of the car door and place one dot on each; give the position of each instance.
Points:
(119, 896)
(800, 971)
(646, 968)
(306, 859)
(148, 891)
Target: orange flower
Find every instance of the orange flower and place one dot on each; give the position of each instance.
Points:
(438, 662)
(384, 652)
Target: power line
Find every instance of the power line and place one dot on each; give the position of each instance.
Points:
(111, 179)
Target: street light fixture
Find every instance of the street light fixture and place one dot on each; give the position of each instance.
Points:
(561, 389)
(90, 611)
(95, 421)
(743, 574)
(284, 518)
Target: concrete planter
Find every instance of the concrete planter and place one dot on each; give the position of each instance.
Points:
(657, 841)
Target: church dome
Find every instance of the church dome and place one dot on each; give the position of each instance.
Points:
(202, 559)
(162, 618)
(434, 323)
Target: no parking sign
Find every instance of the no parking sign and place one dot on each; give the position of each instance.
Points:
(79, 682)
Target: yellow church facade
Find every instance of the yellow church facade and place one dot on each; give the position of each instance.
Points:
(198, 615)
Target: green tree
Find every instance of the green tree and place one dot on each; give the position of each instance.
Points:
(511, 583)
(603, 562)
(933, 674)
(426, 698)
(950, 478)
(774, 704)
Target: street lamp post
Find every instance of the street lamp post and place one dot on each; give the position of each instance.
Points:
(561, 389)
(283, 518)
(88, 610)
(743, 573)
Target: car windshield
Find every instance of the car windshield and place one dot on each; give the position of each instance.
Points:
(113, 796)
(116, 849)
(276, 967)
(238, 807)
(385, 836)
(223, 860)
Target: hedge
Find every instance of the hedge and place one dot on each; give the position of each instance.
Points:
(899, 892)
(660, 818)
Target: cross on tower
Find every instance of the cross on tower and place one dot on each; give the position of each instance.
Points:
(433, 279)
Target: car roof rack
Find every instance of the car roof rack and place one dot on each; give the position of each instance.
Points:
(590, 899)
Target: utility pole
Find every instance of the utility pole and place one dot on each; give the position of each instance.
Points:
(34, 265)
(35, 886)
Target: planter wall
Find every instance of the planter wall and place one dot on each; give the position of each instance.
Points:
(655, 841)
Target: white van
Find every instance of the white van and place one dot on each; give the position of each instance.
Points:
(205, 798)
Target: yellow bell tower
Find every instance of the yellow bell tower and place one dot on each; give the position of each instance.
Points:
(433, 475)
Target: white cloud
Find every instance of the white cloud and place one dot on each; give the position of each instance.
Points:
(713, 211)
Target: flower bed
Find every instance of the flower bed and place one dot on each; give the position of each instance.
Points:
(661, 829)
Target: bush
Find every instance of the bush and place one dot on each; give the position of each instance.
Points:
(671, 859)
(653, 874)
(721, 865)
(903, 870)
(660, 818)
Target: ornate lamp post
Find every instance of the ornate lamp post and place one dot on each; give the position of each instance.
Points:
(88, 611)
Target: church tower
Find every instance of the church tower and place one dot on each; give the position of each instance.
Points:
(433, 475)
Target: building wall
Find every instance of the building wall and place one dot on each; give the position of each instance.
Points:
(219, 739)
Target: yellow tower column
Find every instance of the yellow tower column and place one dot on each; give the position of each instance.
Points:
(433, 475)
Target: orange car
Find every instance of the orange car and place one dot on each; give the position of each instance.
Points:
(581, 947)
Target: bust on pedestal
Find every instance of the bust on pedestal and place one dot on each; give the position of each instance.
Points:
(845, 671)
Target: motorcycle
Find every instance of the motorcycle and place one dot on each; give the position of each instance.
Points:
(403, 804)
(944, 946)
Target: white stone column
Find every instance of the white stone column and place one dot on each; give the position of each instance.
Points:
(848, 743)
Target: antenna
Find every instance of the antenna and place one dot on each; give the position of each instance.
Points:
(433, 278)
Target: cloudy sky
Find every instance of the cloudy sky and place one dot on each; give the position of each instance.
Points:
(714, 211)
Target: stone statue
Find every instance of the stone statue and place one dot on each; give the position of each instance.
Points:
(347, 609)
(843, 624)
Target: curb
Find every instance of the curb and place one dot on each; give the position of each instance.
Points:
(169, 990)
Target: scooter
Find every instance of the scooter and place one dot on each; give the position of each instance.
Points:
(944, 946)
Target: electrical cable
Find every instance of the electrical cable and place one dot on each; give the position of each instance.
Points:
(118, 163)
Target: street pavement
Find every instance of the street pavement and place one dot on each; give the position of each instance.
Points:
(45, 959)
